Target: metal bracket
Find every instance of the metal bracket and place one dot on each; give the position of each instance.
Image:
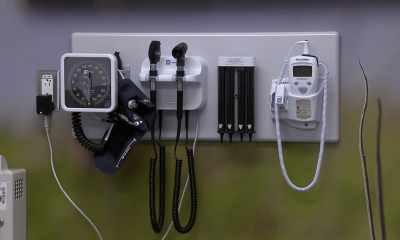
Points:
(126, 71)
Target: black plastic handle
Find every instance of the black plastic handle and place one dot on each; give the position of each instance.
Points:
(179, 108)
(241, 104)
(249, 75)
(221, 102)
(230, 102)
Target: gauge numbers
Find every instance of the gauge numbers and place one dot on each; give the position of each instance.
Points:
(89, 83)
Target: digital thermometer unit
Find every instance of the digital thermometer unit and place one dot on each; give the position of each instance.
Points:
(301, 111)
(303, 73)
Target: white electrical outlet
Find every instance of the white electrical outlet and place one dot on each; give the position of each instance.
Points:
(47, 86)
(48, 83)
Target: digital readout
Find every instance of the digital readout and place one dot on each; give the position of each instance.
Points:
(302, 71)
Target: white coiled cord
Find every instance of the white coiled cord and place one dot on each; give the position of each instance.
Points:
(278, 131)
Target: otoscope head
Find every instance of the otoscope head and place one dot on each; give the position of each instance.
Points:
(154, 51)
(179, 50)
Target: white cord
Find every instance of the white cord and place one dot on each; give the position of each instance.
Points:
(97, 117)
(187, 180)
(120, 73)
(285, 63)
(46, 125)
(109, 132)
(322, 143)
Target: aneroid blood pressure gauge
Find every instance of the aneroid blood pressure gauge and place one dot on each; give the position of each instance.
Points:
(88, 82)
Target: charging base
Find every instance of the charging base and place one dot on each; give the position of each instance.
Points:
(194, 83)
(302, 112)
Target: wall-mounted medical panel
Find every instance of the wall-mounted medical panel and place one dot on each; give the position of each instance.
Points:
(267, 52)
(194, 83)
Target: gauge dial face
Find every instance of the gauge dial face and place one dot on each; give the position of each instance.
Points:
(87, 82)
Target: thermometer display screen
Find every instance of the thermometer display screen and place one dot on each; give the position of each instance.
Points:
(302, 71)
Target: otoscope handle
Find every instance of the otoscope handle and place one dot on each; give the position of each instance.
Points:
(221, 99)
(179, 109)
(153, 97)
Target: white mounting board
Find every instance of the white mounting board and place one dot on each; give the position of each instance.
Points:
(269, 49)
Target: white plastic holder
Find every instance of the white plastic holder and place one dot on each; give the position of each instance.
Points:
(194, 83)
(302, 112)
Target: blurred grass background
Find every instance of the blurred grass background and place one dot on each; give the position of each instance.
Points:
(241, 190)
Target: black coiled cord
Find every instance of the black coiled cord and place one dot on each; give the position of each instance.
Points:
(81, 137)
(192, 178)
(157, 226)
(112, 117)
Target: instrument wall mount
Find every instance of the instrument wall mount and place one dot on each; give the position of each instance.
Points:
(269, 49)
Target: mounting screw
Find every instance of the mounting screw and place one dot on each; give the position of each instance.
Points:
(1, 222)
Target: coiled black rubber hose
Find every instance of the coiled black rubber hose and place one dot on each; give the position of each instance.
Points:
(81, 137)
(192, 178)
(112, 117)
(157, 226)
(175, 206)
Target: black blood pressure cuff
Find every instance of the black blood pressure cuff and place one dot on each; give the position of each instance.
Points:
(134, 108)
(135, 117)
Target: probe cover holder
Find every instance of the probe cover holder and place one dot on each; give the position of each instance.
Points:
(280, 97)
(291, 114)
(236, 61)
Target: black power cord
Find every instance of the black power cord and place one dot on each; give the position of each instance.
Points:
(178, 53)
(154, 57)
